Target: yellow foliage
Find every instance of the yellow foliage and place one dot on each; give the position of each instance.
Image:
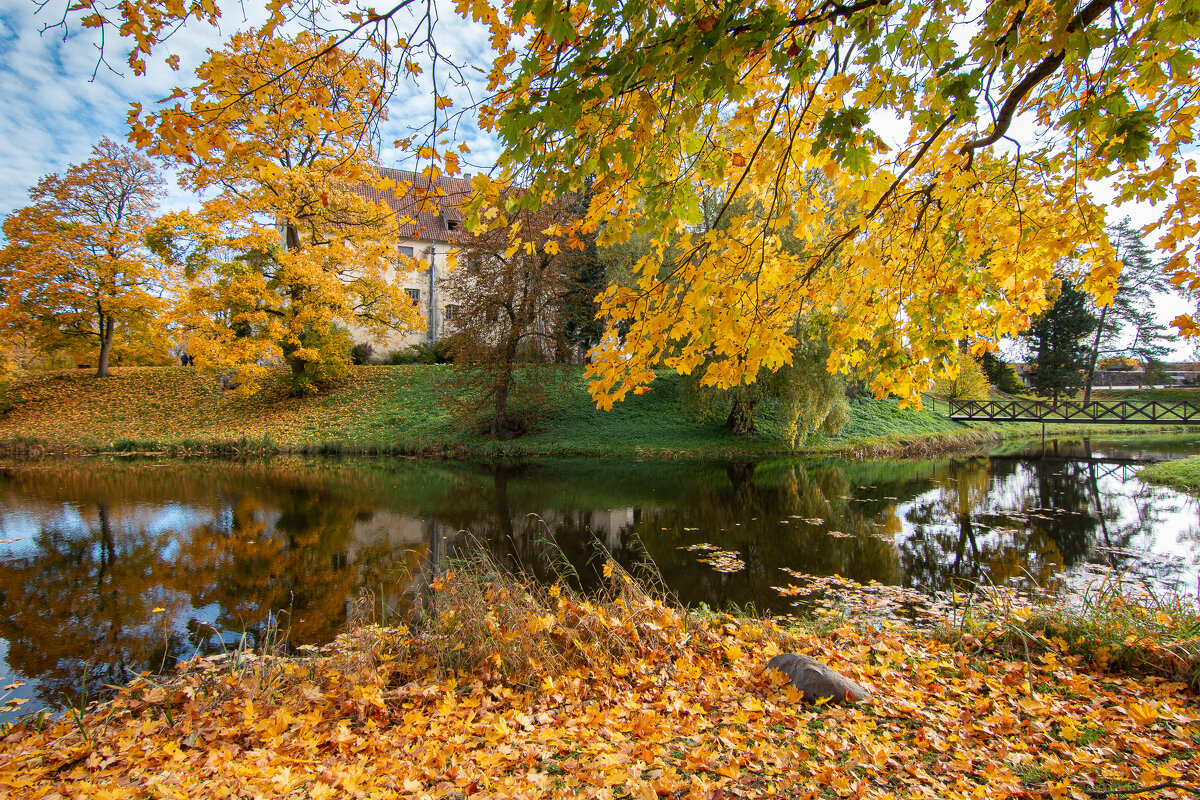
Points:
(292, 249)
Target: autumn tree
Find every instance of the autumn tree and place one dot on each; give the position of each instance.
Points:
(953, 232)
(76, 264)
(968, 383)
(294, 248)
(509, 290)
(955, 223)
(1057, 341)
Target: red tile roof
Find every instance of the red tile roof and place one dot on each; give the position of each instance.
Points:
(440, 200)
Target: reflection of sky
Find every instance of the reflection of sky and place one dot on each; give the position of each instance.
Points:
(22, 519)
(1157, 529)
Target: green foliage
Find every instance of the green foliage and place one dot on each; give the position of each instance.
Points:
(795, 401)
(1000, 374)
(325, 361)
(423, 353)
(1057, 342)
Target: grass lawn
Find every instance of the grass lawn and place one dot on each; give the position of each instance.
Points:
(411, 410)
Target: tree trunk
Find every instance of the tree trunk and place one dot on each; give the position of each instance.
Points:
(106, 337)
(503, 383)
(741, 417)
(1087, 386)
(500, 409)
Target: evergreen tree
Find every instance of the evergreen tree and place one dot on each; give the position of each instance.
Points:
(1132, 309)
(1057, 340)
(586, 279)
(1001, 374)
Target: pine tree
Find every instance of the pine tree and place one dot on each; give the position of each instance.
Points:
(1057, 340)
(1132, 309)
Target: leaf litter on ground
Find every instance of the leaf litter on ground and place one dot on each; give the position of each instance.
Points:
(511, 689)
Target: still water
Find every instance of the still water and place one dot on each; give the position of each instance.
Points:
(110, 568)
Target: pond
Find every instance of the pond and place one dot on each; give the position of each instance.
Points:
(109, 568)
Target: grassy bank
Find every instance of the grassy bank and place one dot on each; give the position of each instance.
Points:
(1183, 474)
(510, 690)
(410, 410)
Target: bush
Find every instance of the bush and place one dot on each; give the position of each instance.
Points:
(361, 353)
(1117, 364)
(423, 353)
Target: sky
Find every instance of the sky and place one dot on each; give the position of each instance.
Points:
(58, 100)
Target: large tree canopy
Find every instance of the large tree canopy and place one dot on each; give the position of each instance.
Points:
(298, 248)
(935, 160)
(76, 262)
(948, 232)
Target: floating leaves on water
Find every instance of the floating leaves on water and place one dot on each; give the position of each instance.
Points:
(718, 559)
(840, 535)
(725, 561)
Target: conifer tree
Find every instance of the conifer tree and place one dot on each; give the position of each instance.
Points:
(1057, 339)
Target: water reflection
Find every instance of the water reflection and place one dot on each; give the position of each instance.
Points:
(108, 569)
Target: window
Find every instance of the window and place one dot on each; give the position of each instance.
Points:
(452, 313)
(451, 224)
(406, 251)
(415, 294)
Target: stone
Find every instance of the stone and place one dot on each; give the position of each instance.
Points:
(817, 681)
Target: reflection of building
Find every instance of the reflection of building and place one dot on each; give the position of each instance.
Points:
(426, 242)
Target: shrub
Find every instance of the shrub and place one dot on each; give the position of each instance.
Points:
(361, 353)
(422, 353)
(1117, 364)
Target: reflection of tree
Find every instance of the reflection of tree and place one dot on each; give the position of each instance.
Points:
(246, 544)
(220, 546)
(995, 520)
(83, 603)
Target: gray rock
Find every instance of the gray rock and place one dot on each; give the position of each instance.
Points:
(816, 680)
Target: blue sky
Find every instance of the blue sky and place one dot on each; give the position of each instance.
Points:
(54, 110)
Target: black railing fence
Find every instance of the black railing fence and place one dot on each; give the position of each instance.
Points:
(1116, 412)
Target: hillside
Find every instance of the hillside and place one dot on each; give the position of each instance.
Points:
(401, 410)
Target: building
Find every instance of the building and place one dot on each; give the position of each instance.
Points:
(428, 240)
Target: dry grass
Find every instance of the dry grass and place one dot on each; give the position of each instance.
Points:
(485, 619)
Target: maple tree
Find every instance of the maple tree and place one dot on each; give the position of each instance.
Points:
(291, 251)
(76, 263)
(950, 233)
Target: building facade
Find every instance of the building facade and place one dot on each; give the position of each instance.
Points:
(426, 243)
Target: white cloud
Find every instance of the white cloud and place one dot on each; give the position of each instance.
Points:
(54, 111)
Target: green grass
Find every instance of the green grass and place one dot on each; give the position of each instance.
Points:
(1111, 626)
(1183, 474)
(410, 410)
(1169, 395)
